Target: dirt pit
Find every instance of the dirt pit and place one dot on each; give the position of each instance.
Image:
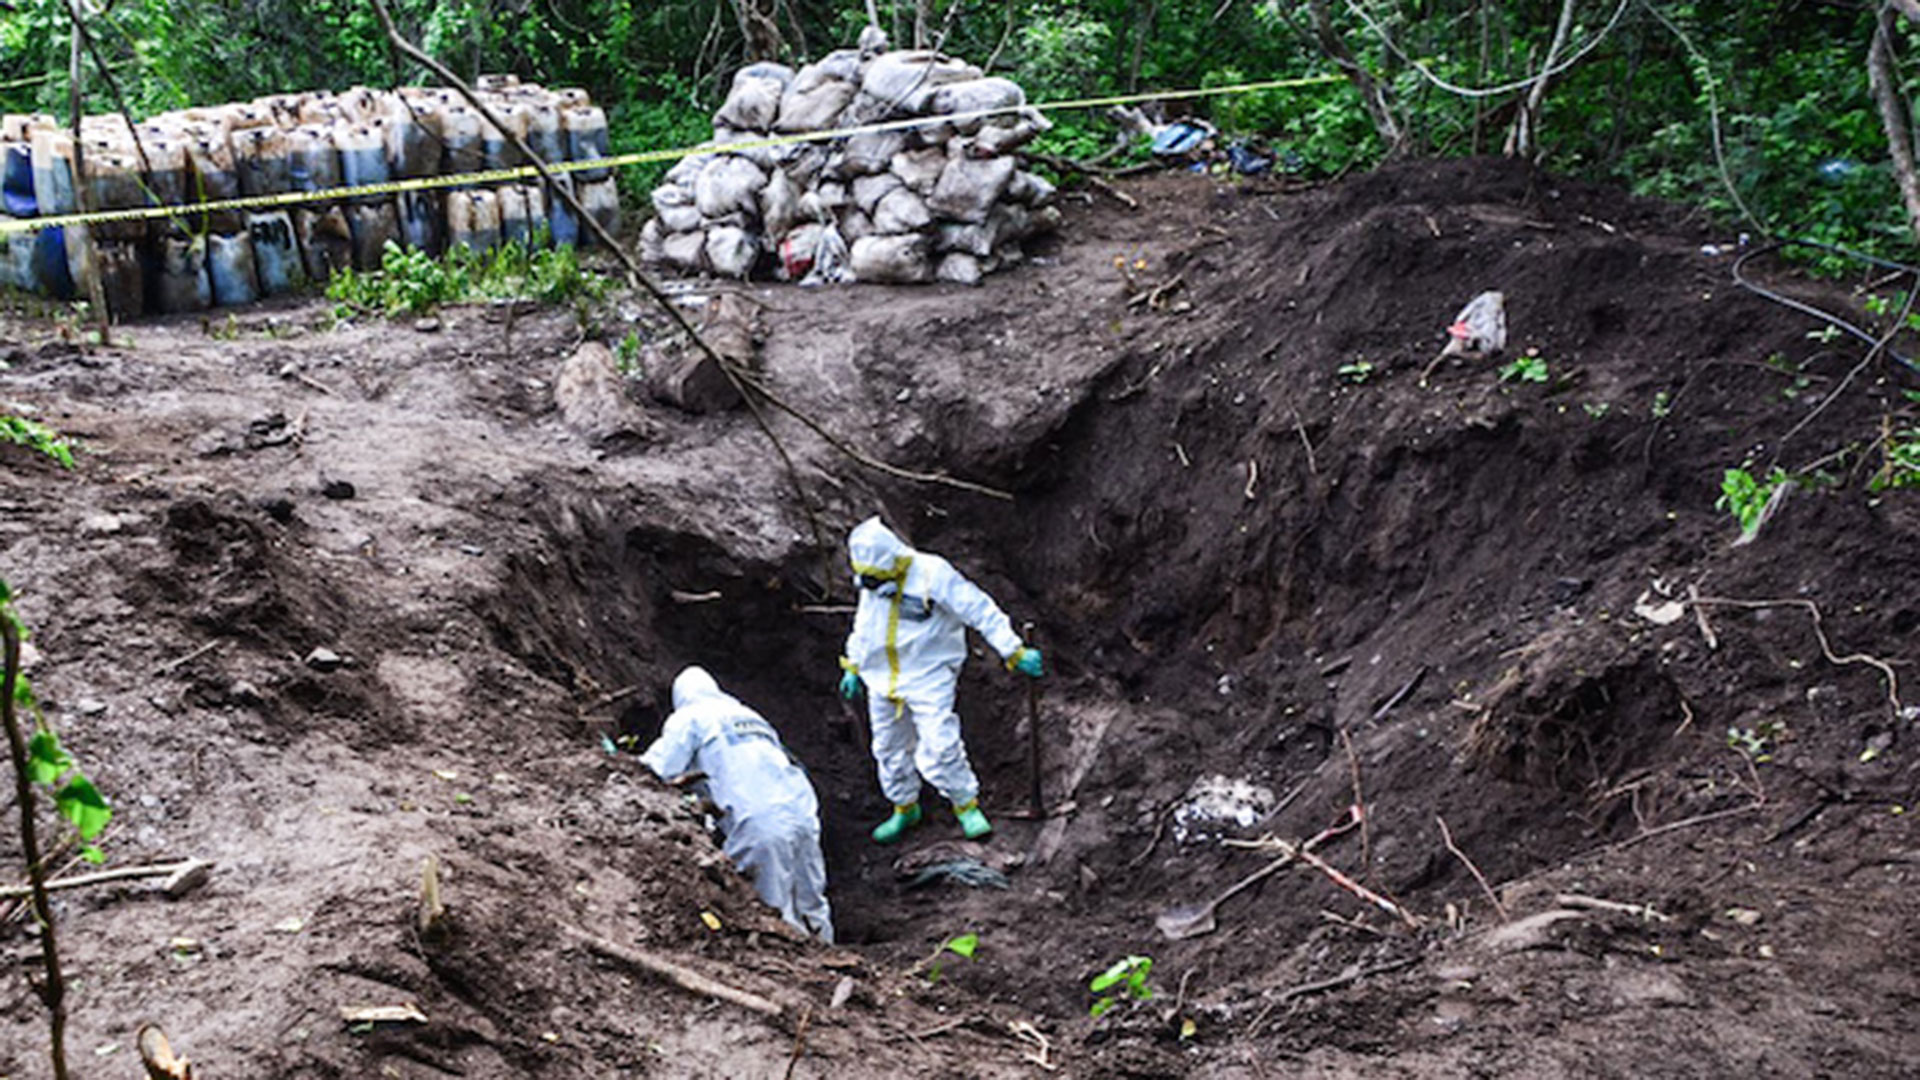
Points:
(1634, 798)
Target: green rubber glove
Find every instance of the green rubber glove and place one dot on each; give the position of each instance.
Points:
(849, 685)
(1027, 661)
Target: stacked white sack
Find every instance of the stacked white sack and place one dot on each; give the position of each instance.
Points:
(943, 200)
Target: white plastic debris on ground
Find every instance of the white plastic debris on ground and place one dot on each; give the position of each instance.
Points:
(945, 199)
(1218, 805)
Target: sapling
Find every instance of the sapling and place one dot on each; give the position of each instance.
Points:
(1746, 497)
(1357, 372)
(1126, 979)
(40, 760)
(36, 436)
(961, 945)
(1529, 368)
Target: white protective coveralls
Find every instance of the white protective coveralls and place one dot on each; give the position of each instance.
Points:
(908, 641)
(769, 814)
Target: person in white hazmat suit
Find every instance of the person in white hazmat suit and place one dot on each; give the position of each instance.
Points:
(769, 815)
(909, 638)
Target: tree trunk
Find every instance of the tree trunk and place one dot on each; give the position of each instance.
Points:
(1520, 139)
(759, 29)
(1374, 96)
(1895, 117)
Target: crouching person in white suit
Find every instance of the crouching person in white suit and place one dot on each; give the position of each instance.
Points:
(769, 815)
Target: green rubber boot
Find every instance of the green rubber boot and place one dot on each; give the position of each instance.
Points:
(972, 821)
(896, 826)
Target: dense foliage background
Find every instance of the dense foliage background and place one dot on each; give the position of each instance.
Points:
(1801, 142)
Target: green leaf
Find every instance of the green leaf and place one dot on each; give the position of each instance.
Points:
(963, 945)
(1103, 1005)
(6, 591)
(93, 855)
(47, 760)
(81, 803)
(1120, 972)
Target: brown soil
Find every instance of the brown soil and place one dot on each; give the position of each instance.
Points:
(1240, 561)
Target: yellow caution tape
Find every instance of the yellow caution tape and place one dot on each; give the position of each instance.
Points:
(639, 157)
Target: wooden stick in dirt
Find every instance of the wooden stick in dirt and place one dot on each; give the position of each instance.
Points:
(799, 1043)
(1035, 802)
(1447, 835)
(1594, 903)
(1358, 889)
(684, 977)
(179, 876)
(1339, 981)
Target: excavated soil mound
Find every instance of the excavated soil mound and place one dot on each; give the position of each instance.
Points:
(1593, 790)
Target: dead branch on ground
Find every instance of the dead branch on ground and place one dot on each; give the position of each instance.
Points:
(678, 974)
(1644, 912)
(182, 877)
(1820, 632)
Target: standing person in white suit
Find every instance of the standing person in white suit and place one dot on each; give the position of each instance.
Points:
(769, 815)
(908, 641)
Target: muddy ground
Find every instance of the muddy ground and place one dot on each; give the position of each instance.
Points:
(1255, 543)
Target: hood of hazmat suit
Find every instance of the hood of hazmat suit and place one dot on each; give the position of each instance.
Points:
(911, 631)
(748, 769)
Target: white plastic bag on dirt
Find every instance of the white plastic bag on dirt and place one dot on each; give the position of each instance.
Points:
(687, 251)
(871, 152)
(869, 190)
(959, 268)
(963, 102)
(779, 204)
(896, 260)
(1216, 805)
(832, 261)
(900, 210)
(1030, 189)
(968, 187)
(754, 101)
(731, 252)
(919, 169)
(905, 79)
(817, 109)
(674, 209)
(729, 184)
(1480, 330)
